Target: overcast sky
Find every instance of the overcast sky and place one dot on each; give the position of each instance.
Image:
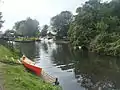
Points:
(42, 10)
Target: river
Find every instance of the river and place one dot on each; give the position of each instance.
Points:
(76, 70)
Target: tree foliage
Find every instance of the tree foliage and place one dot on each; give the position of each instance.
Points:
(28, 27)
(44, 30)
(60, 23)
(97, 26)
(9, 33)
(1, 21)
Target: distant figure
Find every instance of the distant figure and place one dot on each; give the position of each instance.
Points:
(56, 81)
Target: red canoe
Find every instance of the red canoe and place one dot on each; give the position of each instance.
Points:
(31, 65)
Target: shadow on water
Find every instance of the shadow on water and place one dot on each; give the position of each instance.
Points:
(91, 71)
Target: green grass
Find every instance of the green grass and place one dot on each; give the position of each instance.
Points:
(8, 55)
(16, 77)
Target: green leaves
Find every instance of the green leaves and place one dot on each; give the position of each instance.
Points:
(44, 30)
(101, 26)
(96, 26)
(1, 21)
(28, 27)
(60, 23)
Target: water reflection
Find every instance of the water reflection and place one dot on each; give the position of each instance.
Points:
(91, 71)
(61, 55)
(44, 47)
(88, 70)
(31, 50)
(95, 72)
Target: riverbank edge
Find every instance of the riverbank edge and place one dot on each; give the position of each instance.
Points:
(104, 52)
(25, 40)
(15, 77)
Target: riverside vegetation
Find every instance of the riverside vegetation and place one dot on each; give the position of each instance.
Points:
(97, 27)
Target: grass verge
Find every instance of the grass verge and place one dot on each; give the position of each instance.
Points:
(16, 77)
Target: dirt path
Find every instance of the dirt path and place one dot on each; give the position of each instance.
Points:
(1, 76)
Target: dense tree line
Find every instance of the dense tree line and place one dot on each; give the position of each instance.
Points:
(97, 26)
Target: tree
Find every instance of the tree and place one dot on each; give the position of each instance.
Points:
(60, 23)
(11, 34)
(44, 30)
(1, 21)
(115, 4)
(28, 27)
(97, 27)
(83, 29)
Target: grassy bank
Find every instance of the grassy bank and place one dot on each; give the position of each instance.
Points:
(8, 55)
(16, 77)
(27, 39)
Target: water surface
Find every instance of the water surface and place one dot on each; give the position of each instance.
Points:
(76, 70)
